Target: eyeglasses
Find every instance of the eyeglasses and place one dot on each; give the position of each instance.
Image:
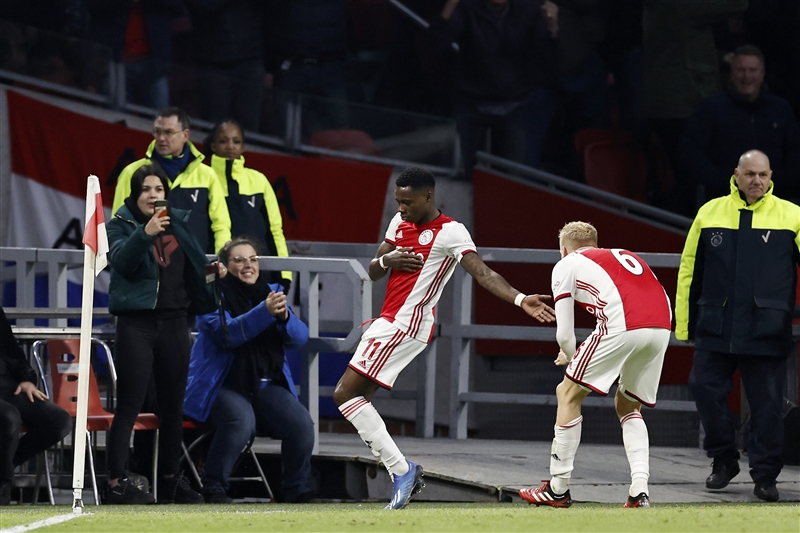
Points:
(164, 133)
(240, 260)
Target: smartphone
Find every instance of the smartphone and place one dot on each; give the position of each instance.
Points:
(212, 271)
(159, 204)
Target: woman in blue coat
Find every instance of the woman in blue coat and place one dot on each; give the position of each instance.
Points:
(239, 379)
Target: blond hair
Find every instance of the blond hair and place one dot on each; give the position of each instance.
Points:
(576, 235)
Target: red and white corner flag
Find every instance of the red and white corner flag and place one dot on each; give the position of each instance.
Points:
(94, 234)
(94, 260)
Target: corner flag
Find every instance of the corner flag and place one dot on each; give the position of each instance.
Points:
(94, 234)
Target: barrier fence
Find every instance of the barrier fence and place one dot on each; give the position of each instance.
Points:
(23, 265)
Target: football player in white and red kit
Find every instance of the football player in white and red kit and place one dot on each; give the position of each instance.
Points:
(421, 249)
(627, 346)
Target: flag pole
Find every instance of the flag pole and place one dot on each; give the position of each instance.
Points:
(84, 368)
(94, 260)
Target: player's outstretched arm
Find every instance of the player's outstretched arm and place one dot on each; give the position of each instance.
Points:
(493, 282)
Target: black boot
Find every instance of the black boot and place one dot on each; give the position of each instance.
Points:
(722, 471)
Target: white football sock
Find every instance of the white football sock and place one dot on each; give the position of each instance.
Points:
(562, 454)
(372, 431)
(637, 447)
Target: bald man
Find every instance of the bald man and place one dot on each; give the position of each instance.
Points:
(736, 294)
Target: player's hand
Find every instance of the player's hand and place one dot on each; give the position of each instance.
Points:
(276, 305)
(534, 305)
(156, 225)
(404, 259)
(29, 389)
(561, 359)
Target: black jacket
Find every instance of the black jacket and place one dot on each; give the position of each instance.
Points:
(500, 58)
(727, 125)
(226, 32)
(738, 276)
(14, 366)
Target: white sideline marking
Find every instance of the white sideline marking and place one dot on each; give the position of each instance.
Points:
(53, 520)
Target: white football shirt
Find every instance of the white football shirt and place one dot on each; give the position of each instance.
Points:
(614, 285)
(411, 297)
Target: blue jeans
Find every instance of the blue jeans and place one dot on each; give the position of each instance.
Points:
(279, 415)
(763, 379)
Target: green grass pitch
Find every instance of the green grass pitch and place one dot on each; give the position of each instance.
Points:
(422, 517)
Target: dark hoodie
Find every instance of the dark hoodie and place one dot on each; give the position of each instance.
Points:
(728, 125)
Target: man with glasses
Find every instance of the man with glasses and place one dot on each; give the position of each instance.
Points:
(193, 185)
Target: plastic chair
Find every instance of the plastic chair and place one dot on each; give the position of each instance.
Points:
(612, 162)
(64, 356)
(354, 141)
(247, 451)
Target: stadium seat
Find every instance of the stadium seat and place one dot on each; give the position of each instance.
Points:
(64, 357)
(207, 433)
(612, 162)
(353, 141)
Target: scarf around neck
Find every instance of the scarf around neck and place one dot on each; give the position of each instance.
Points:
(261, 356)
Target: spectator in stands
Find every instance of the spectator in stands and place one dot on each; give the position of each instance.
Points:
(744, 117)
(505, 48)
(239, 378)
(307, 49)
(680, 70)
(138, 33)
(581, 86)
(158, 281)
(228, 38)
(23, 404)
(251, 200)
(736, 292)
(622, 53)
(193, 185)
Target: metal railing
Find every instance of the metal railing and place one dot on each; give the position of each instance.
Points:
(88, 73)
(524, 174)
(342, 259)
(28, 262)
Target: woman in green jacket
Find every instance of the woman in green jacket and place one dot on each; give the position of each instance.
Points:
(157, 281)
(252, 203)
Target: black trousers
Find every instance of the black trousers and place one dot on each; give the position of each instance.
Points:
(147, 347)
(46, 424)
(763, 379)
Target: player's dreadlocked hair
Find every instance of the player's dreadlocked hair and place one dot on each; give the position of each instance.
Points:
(578, 234)
(416, 178)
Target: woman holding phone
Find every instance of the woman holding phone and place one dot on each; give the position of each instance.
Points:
(157, 282)
(240, 381)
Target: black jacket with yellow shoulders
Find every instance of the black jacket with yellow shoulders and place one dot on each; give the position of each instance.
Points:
(253, 207)
(738, 276)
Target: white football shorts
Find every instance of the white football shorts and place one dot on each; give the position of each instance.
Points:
(635, 357)
(384, 351)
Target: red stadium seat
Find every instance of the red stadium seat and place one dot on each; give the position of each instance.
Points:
(612, 162)
(354, 141)
(64, 355)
